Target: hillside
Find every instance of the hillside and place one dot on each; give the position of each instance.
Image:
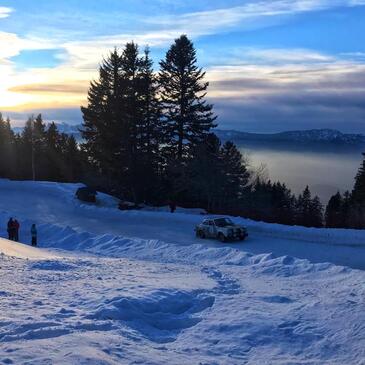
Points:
(113, 287)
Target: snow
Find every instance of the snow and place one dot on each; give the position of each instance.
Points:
(21, 251)
(127, 287)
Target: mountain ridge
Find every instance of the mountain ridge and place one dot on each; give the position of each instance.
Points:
(328, 136)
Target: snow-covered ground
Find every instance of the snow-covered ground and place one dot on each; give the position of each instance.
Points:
(112, 287)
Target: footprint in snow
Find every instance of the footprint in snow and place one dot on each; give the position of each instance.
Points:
(226, 284)
(159, 316)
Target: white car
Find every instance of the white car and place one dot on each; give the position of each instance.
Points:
(222, 228)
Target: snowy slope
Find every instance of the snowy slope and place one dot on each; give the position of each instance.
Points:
(116, 287)
(53, 203)
(22, 251)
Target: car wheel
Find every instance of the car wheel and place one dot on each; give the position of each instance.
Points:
(221, 237)
(201, 234)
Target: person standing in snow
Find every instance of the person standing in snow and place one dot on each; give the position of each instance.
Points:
(16, 230)
(11, 229)
(33, 232)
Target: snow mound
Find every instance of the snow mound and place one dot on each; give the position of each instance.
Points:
(52, 265)
(15, 249)
(66, 238)
(159, 316)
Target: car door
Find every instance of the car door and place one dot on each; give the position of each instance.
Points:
(212, 229)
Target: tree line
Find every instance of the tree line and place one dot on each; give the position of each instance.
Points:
(39, 152)
(348, 210)
(149, 137)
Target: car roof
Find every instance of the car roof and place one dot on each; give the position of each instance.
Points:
(214, 218)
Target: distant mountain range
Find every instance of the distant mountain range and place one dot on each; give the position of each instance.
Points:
(311, 136)
(63, 128)
(327, 136)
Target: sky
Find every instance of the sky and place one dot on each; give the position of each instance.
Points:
(273, 65)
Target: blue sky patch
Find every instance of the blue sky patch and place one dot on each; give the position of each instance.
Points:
(40, 58)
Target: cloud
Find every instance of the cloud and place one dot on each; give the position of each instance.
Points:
(259, 83)
(253, 15)
(270, 97)
(282, 55)
(5, 12)
(66, 87)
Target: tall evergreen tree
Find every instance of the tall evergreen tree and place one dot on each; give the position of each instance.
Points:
(102, 125)
(357, 210)
(346, 209)
(316, 213)
(40, 148)
(7, 149)
(72, 160)
(283, 204)
(309, 211)
(122, 122)
(53, 153)
(258, 202)
(187, 116)
(304, 208)
(205, 173)
(358, 193)
(235, 174)
(149, 137)
(334, 212)
(27, 166)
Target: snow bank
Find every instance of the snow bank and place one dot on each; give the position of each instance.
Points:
(19, 250)
(328, 236)
(55, 204)
(66, 238)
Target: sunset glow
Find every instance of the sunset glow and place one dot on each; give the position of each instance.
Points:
(256, 53)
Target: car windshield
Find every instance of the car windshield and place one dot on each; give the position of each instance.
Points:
(223, 222)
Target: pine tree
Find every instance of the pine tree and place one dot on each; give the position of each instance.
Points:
(8, 156)
(205, 173)
(187, 116)
(334, 212)
(309, 212)
(53, 153)
(259, 201)
(316, 213)
(346, 209)
(142, 120)
(73, 160)
(26, 151)
(102, 125)
(357, 211)
(39, 146)
(358, 193)
(122, 123)
(149, 137)
(304, 205)
(235, 174)
(283, 203)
